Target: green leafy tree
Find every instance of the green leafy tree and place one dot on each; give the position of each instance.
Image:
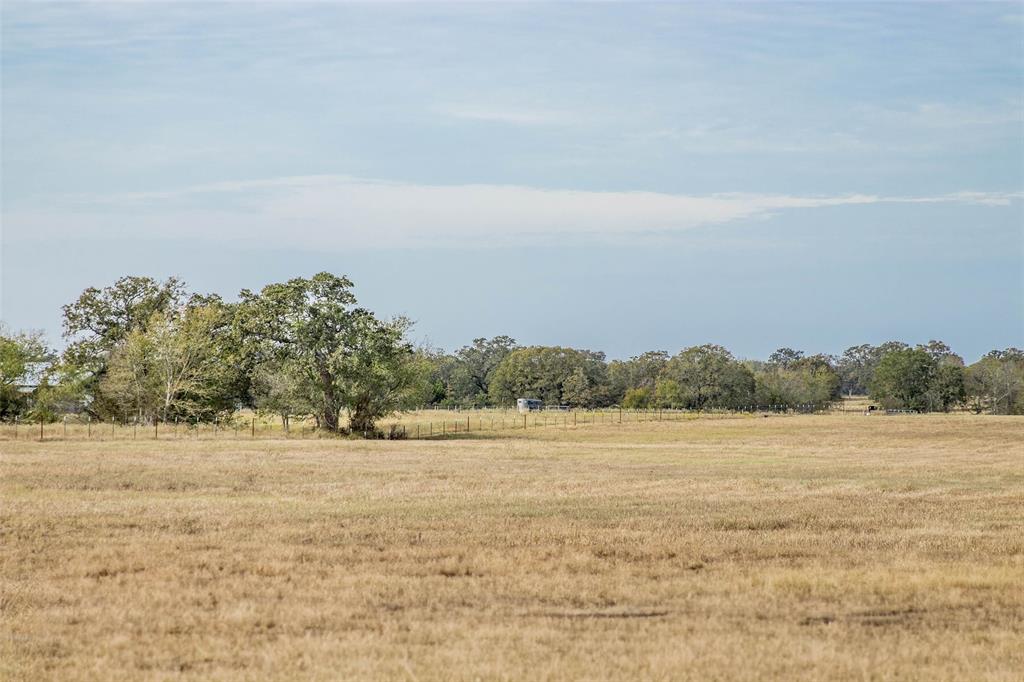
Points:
(473, 369)
(784, 357)
(799, 381)
(378, 373)
(101, 318)
(668, 393)
(433, 369)
(707, 377)
(638, 398)
(941, 353)
(639, 372)
(819, 378)
(576, 389)
(351, 360)
(63, 388)
(23, 358)
(948, 387)
(857, 365)
(99, 321)
(225, 374)
(929, 377)
(903, 378)
(130, 382)
(542, 371)
(996, 382)
(194, 359)
(181, 363)
(281, 389)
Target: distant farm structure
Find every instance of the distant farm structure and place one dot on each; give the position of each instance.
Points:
(525, 405)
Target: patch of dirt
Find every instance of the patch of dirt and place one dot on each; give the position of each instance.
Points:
(875, 617)
(458, 573)
(107, 572)
(884, 616)
(758, 525)
(600, 614)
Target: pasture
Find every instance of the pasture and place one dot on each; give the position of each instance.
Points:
(787, 547)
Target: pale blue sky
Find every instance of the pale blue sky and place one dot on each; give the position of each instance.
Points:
(617, 177)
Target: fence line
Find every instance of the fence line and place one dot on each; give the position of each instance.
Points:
(411, 426)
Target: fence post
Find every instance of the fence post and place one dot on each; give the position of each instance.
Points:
(156, 429)
(40, 429)
(16, 428)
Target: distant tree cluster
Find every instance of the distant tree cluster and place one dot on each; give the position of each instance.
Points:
(144, 350)
(929, 377)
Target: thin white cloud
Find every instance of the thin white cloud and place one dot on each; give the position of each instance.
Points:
(523, 116)
(930, 116)
(338, 212)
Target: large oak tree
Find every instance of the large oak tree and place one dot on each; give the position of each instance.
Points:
(350, 360)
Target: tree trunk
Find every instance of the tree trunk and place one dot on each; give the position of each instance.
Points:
(362, 422)
(168, 395)
(329, 419)
(330, 407)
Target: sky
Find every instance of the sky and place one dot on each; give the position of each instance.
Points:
(619, 177)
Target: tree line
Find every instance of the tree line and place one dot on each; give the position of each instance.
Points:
(144, 350)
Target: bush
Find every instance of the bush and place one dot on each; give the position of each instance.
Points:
(638, 398)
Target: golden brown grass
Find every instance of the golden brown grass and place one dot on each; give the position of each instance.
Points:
(789, 547)
(416, 424)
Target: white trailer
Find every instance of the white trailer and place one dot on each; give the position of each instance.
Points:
(525, 405)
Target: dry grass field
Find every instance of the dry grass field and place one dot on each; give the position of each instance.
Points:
(815, 547)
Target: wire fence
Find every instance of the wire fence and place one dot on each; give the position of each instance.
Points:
(433, 423)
